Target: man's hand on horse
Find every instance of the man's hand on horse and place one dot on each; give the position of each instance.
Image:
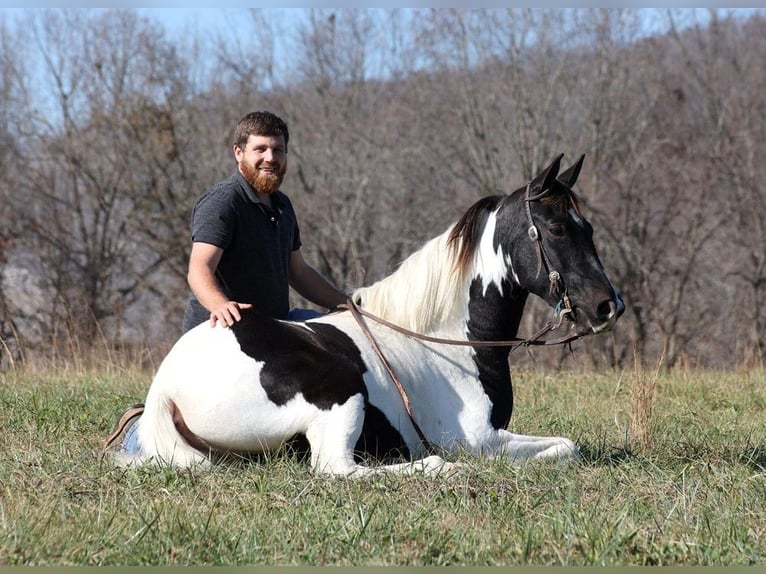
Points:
(227, 313)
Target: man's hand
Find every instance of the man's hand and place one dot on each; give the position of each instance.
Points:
(228, 313)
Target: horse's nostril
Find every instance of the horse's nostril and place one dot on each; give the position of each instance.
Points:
(606, 310)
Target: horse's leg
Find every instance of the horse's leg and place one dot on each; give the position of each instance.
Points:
(332, 435)
(519, 447)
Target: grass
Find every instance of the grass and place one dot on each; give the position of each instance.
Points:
(690, 490)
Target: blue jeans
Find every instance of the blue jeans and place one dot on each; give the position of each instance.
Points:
(302, 314)
(130, 440)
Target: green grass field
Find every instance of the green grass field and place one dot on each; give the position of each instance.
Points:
(673, 472)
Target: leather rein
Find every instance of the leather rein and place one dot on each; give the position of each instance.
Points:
(563, 308)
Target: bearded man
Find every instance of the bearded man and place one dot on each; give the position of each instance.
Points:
(245, 236)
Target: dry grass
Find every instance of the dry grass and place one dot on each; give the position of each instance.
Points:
(643, 389)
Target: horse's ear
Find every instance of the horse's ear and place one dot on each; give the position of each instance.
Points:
(545, 178)
(569, 176)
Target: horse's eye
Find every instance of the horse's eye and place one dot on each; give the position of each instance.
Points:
(557, 230)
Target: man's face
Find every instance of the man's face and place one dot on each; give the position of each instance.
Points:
(263, 162)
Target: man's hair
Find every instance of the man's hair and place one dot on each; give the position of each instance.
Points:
(259, 124)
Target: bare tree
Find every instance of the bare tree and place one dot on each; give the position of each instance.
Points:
(11, 96)
(106, 137)
(726, 79)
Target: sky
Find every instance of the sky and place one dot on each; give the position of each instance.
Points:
(178, 16)
(176, 11)
(177, 20)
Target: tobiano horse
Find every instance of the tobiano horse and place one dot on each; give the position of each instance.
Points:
(334, 379)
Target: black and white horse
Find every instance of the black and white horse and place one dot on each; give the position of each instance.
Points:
(250, 388)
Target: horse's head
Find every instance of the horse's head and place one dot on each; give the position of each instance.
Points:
(550, 245)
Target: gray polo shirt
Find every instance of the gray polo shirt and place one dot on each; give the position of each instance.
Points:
(257, 243)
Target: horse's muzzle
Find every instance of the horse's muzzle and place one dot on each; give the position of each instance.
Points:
(603, 319)
(607, 313)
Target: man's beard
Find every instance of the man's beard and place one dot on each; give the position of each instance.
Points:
(262, 182)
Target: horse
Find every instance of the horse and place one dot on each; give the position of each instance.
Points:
(252, 387)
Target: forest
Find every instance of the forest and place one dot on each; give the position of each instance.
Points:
(110, 127)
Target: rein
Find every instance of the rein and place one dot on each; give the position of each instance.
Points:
(534, 340)
(563, 308)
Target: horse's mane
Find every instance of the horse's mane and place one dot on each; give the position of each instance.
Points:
(429, 286)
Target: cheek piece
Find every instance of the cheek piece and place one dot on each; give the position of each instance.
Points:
(556, 284)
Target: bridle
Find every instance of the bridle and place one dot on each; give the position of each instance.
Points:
(563, 308)
(557, 287)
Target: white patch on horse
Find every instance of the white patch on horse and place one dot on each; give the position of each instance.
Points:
(493, 265)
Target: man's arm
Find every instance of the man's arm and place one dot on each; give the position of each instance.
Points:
(203, 262)
(313, 285)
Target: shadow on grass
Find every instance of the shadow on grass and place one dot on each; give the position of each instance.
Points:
(751, 455)
(604, 454)
(296, 449)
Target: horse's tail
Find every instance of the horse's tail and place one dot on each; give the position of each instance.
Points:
(159, 439)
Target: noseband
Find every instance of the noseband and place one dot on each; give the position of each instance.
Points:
(557, 287)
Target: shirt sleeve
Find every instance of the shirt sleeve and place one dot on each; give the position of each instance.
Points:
(213, 219)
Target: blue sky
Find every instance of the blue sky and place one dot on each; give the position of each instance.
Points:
(172, 12)
(177, 20)
(178, 17)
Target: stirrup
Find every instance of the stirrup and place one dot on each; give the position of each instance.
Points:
(122, 425)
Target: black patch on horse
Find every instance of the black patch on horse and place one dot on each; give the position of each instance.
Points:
(323, 364)
(492, 316)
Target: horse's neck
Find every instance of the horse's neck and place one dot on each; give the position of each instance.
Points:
(496, 316)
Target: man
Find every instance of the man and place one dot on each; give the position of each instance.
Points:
(245, 246)
(246, 241)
